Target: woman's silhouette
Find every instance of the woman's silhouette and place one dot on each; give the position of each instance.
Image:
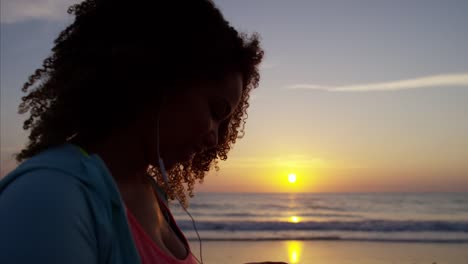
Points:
(127, 83)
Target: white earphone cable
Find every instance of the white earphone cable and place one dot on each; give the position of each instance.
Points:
(166, 179)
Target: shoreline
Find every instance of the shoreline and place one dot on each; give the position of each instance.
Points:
(331, 252)
(336, 239)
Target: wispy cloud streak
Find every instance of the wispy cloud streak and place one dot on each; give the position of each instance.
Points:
(441, 80)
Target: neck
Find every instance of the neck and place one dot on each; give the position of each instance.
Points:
(123, 157)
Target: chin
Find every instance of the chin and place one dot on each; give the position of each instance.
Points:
(171, 162)
(172, 166)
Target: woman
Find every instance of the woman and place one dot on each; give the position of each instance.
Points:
(129, 84)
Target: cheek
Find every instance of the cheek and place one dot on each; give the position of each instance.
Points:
(185, 124)
(198, 122)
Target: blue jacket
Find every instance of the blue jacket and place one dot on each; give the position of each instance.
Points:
(61, 206)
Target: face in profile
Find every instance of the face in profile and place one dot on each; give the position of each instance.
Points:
(190, 121)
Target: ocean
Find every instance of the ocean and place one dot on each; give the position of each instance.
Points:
(358, 217)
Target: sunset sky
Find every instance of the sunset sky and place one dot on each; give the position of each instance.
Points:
(355, 96)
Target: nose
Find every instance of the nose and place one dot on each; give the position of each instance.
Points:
(211, 139)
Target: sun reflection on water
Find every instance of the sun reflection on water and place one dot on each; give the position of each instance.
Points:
(294, 251)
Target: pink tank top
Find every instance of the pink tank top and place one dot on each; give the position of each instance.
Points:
(149, 252)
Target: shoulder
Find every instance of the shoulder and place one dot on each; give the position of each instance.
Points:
(49, 171)
(44, 188)
(52, 198)
(43, 210)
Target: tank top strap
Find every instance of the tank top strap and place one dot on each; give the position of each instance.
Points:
(164, 205)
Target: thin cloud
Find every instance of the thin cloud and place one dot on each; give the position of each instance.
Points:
(306, 86)
(441, 80)
(296, 161)
(13, 11)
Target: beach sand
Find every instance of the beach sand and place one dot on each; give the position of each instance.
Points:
(331, 252)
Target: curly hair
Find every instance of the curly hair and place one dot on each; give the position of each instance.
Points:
(116, 55)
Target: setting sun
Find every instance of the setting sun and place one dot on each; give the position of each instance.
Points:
(292, 178)
(294, 219)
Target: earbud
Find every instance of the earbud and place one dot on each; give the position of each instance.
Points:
(162, 168)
